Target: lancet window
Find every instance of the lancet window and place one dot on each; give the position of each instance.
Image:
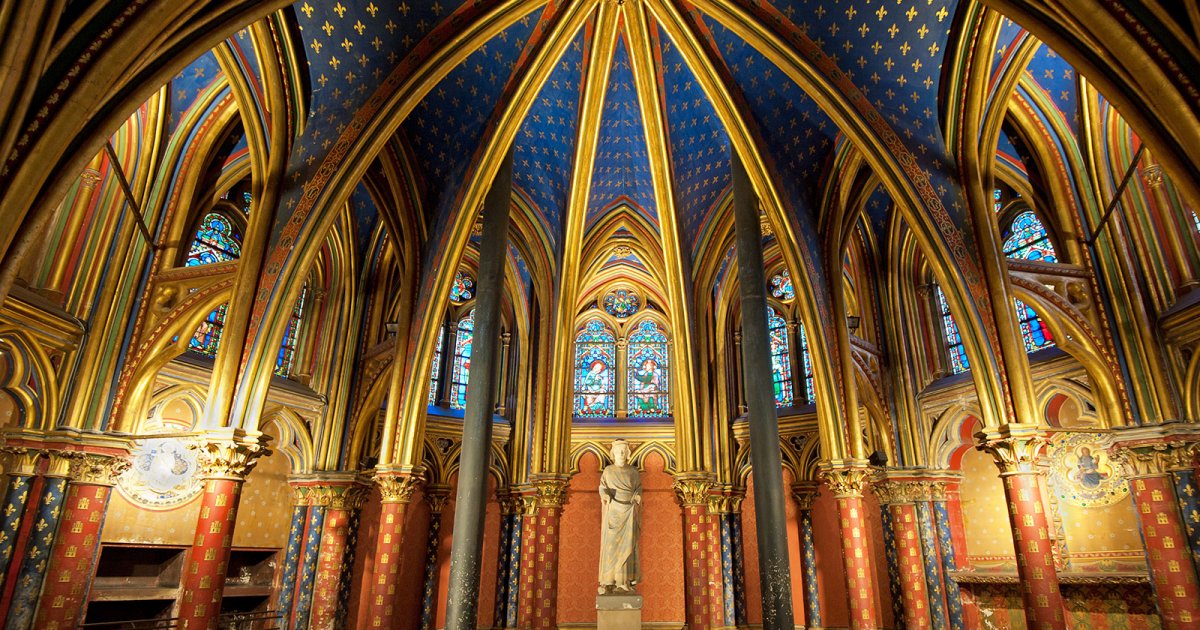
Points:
(646, 371)
(781, 359)
(1027, 239)
(791, 364)
(287, 349)
(595, 370)
(955, 350)
(207, 338)
(460, 372)
(1033, 330)
(617, 377)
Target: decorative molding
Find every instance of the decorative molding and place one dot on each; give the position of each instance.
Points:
(846, 479)
(229, 456)
(94, 469)
(1015, 447)
(692, 489)
(398, 486)
(20, 460)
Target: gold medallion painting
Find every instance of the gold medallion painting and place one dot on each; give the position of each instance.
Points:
(1084, 473)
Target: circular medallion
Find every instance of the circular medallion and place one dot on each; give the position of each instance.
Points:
(622, 303)
(1084, 473)
(163, 474)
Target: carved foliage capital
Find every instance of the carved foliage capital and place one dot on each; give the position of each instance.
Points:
(551, 492)
(437, 496)
(692, 489)
(338, 496)
(847, 482)
(229, 457)
(398, 487)
(805, 493)
(96, 469)
(1015, 447)
(20, 460)
(1154, 459)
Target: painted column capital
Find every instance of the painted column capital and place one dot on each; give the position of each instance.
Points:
(846, 478)
(20, 460)
(229, 454)
(804, 493)
(896, 492)
(726, 499)
(437, 495)
(341, 492)
(398, 486)
(551, 491)
(1158, 449)
(97, 469)
(692, 489)
(510, 502)
(1015, 447)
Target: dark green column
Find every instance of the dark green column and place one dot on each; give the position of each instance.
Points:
(773, 569)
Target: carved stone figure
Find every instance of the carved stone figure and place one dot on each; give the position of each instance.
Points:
(621, 523)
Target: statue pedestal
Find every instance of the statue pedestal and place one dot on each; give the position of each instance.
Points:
(619, 612)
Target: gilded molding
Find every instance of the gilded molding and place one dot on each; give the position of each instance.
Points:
(1015, 447)
(95, 469)
(692, 489)
(229, 454)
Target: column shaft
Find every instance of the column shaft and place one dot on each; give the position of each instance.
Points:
(808, 562)
(291, 561)
(513, 595)
(433, 540)
(40, 531)
(1188, 495)
(848, 484)
(910, 559)
(396, 488)
(949, 562)
(204, 573)
(331, 564)
(739, 568)
(891, 555)
(308, 567)
(774, 572)
(932, 566)
(1167, 550)
(466, 555)
(16, 497)
(539, 565)
(692, 492)
(1035, 558)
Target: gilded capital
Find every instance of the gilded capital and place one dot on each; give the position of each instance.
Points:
(334, 495)
(893, 492)
(804, 493)
(398, 486)
(1154, 459)
(1015, 447)
(97, 469)
(692, 488)
(437, 495)
(846, 480)
(551, 491)
(229, 455)
(20, 460)
(510, 502)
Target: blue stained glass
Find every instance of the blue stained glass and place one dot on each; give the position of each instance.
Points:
(781, 360)
(216, 241)
(647, 374)
(595, 370)
(954, 342)
(1033, 329)
(433, 371)
(463, 288)
(207, 338)
(997, 204)
(622, 303)
(781, 286)
(1195, 220)
(287, 350)
(247, 201)
(808, 369)
(1027, 239)
(461, 372)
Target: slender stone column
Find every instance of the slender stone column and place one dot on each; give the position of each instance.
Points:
(36, 540)
(397, 488)
(847, 484)
(940, 506)
(760, 398)
(77, 545)
(292, 553)
(342, 499)
(906, 553)
(724, 504)
(466, 555)
(20, 468)
(313, 530)
(691, 489)
(1015, 448)
(507, 557)
(539, 551)
(226, 457)
(931, 558)
(1188, 493)
(804, 493)
(436, 497)
(1163, 531)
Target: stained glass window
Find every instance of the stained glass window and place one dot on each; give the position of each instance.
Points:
(954, 342)
(1033, 330)
(216, 240)
(647, 371)
(437, 365)
(622, 303)
(1195, 220)
(1027, 239)
(461, 372)
(463, 289)
(595, 370)
(287, 350)
(247, 201)
(781, 286)
(997, 204)
(806, 360)
(781, 360)
(207, 338)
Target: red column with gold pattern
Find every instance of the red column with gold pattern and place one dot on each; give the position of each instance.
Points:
(396, 488)
(898, 499)
(692, 492)
(1015, 448)
(64, 592)
(847, 482)
(225, 461)
(539, 551)
(341, 498)
(1163, 531)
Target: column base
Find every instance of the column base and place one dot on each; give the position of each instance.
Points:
(619, 612)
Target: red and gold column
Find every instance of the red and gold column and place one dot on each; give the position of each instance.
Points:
(1015, 448)
(1163, 530)
(397, 488)
(73, 558)
(539, 551)
(898, 499)
(847, 482)
(342, 498)
(224, 462)
(692, 491)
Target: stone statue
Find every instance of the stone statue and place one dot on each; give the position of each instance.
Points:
(621, 523)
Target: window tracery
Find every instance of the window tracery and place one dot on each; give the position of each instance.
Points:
(463, 288)
(1027, 239)
(782, 287)
(622, 303)
(216, 240)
